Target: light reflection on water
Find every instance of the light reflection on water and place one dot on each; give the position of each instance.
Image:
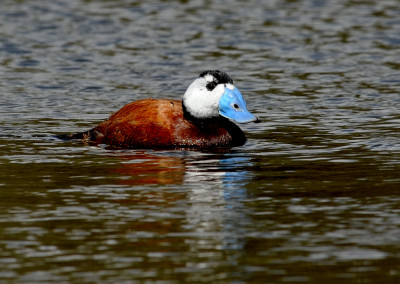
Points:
(312, 197)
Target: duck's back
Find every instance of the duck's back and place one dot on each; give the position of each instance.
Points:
(154, 123)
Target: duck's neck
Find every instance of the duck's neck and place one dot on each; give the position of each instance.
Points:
(200, 121)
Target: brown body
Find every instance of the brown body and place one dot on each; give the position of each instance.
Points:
(152, 123)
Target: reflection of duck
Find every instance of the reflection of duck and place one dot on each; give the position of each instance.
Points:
(200, 120)
(144, 168)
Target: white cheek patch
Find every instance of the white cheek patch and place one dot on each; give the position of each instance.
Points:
(209, 78)
(200, 102)
(218, 91)
(230, 86)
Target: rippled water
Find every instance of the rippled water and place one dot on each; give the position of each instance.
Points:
(312, 197)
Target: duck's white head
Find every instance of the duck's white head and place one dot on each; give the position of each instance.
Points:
(213, 94)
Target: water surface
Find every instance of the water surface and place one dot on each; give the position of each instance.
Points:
(312, 197)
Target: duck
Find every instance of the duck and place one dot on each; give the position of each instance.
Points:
(205, 117)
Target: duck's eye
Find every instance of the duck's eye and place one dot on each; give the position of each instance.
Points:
(211, 85)
(236, 106)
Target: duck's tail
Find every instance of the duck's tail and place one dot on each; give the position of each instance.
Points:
(86, 136)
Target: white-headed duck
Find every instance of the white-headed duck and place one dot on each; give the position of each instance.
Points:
(201, 119)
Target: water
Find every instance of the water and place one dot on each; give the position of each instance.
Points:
(312, 197)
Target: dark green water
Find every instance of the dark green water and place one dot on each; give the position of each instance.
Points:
(313, 197)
